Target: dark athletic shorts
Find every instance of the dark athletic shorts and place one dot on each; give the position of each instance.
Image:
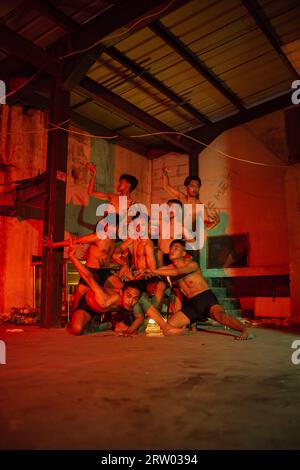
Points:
(100, 275)
(120, 316)
(197, 308)
(83, 305)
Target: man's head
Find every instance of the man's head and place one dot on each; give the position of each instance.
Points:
(192, 184)
(131, 293)
(172, 203)
(177, 249)
(127, 183)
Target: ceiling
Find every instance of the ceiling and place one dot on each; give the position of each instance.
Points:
(154, 67)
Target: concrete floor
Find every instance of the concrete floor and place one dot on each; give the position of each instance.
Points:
(203, 391)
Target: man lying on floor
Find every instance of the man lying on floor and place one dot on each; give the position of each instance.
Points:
(199, 302)
(103, 299)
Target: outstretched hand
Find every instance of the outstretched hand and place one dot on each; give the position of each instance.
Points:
(47, 242)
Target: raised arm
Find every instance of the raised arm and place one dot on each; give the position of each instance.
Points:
(167, 187)
(76, 241)
(102, 298)
(91, 192)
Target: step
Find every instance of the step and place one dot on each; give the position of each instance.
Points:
(229, 302)
(234, 312)
(220, 292)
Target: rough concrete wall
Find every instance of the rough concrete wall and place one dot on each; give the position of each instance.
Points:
(22, 156)
(293, 217)
(23, 146)
(178, 164)
(250, 198)
(81, 209)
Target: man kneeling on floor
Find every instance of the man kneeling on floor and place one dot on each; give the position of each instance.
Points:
(199, 302)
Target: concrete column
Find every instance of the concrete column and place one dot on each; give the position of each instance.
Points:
(293, 217)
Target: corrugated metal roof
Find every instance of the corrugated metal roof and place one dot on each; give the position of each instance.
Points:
(221, 34)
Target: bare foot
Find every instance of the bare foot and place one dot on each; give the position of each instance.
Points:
(245, 334)
(169, 330)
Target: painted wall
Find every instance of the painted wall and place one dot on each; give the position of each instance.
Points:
(23, 145)
(293, 217)
(250, 198)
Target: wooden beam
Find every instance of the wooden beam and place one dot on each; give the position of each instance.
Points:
(264, 25)
(47, 9)
(194, 164)
(28, 52)
(76, 69)
(34, 99)
(102, 95)
(177, 45)
(97, 129)
(207, 134)
(55, 203)
(122, 15)
(155, 83)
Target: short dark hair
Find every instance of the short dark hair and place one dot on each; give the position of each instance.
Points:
(175, 201)
(134, 285)
(132, 180)
(190, 178)
(178, 240)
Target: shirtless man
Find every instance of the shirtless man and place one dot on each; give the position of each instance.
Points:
(199, 302)
(164, 244)
(143, 259)
(127, 184)
(98, 260)
(192, 184)
(99, 299)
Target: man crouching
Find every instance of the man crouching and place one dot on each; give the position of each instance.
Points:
(199, 302)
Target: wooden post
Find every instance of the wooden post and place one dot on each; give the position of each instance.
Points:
(193, 164)
(55, 201)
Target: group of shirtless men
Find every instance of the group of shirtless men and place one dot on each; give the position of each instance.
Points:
(146, 268)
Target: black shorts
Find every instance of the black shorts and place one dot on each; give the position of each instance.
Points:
(197, 308)
(83, 305)
(100, 275)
